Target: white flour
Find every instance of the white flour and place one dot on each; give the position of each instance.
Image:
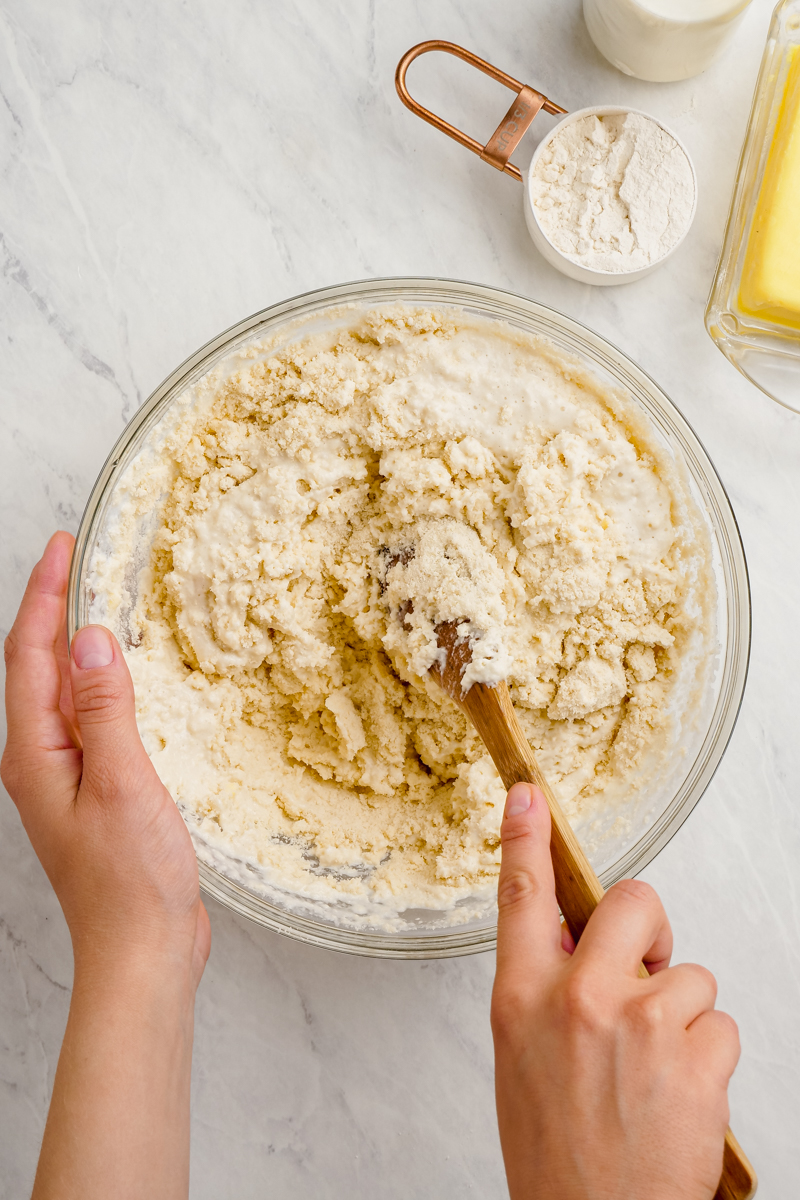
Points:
(613, 193)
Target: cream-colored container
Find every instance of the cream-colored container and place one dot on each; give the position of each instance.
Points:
(753, 311)
(662, 40)
(562, 262)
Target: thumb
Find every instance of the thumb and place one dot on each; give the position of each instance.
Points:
(102, 693)
(528, 923)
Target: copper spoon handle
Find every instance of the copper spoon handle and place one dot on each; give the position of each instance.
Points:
(578, 890)
(502, 143)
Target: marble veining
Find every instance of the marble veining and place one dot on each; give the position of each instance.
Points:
(166, 169)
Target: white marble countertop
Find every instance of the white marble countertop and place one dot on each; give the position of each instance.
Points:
(166, 169)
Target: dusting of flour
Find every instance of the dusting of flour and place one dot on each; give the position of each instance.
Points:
(613, 193)
(294, 724)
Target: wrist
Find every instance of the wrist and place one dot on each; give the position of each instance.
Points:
(127, 965)
(143, 1005)
(120, 1111)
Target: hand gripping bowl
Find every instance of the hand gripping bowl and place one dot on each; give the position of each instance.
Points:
(701, 742)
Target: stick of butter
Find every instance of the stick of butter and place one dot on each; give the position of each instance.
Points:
(770, 287)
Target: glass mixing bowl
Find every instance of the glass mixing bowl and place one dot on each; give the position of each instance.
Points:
(701, 743)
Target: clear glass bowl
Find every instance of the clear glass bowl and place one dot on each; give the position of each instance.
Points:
(700, 747)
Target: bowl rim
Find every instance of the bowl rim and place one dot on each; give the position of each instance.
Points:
(498, 304)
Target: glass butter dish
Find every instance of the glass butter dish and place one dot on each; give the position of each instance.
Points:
(753, 311)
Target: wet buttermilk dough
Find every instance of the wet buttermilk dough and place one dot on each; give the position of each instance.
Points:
(283, 703)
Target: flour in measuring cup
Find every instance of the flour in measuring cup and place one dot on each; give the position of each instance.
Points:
(613, 192)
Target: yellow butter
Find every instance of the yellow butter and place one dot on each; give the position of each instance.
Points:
(770, 286)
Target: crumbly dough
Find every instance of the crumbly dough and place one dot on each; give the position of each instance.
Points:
(287, 709)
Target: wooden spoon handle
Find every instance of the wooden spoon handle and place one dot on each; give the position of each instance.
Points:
(578, 890)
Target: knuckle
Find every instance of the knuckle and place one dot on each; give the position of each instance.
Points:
(702, 975)
(515, 887)
(107, 778)
(18, 772)
(10, 647)
(120, 778)
(581, 1003)
(103, 697)
(517, 832)
(729, 1029)
(649, 1013)
(716, 1055)
(9, 771)
(100, 782)
(635, 891)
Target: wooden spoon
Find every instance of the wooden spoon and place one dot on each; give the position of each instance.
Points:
(578, 890)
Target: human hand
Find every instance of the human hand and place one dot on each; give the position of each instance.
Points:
(104, 827)
(120, 859)
(609, 1086)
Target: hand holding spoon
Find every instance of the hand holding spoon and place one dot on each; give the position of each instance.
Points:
(578, 890)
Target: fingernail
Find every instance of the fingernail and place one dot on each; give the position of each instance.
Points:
(92, 647)
(520, 798)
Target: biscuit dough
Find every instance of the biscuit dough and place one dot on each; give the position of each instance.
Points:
(286, 709)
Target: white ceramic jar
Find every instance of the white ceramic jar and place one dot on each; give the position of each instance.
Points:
(662, 40)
